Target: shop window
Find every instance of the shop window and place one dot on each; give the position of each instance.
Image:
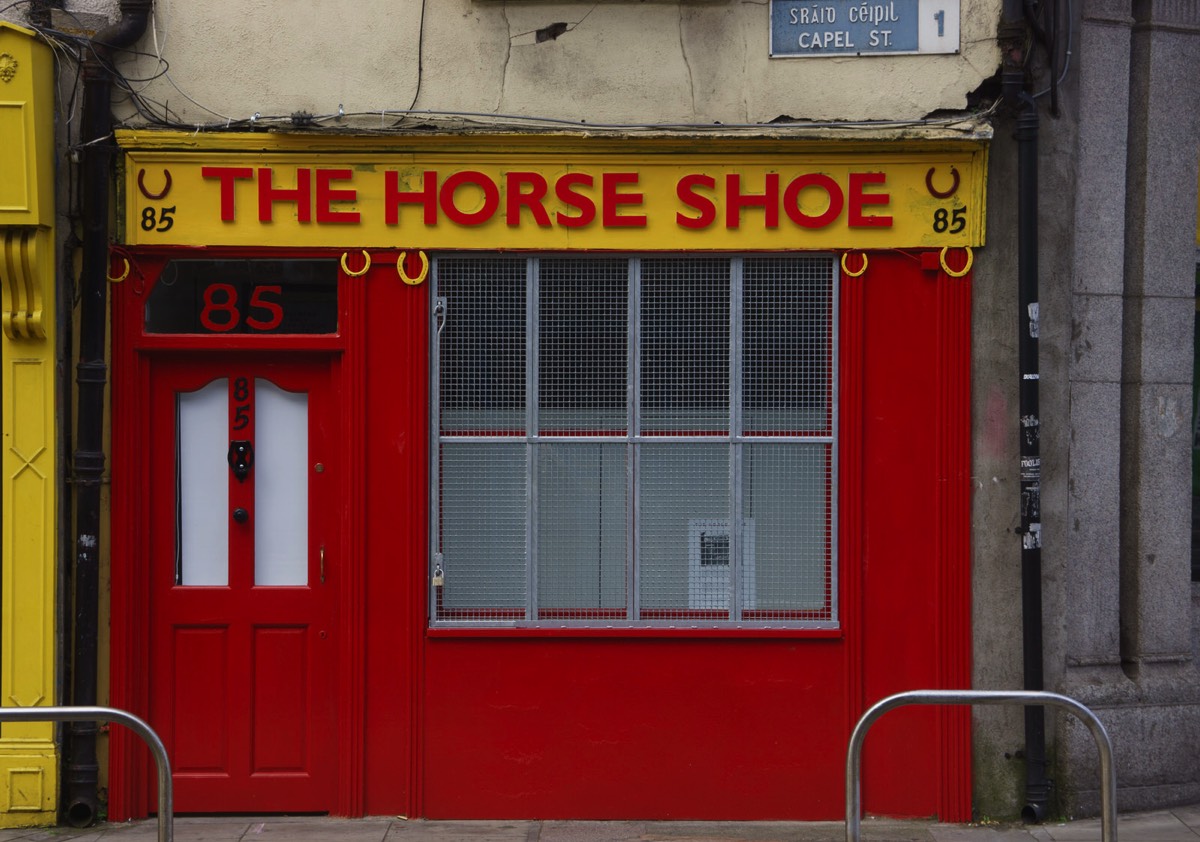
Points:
(641, 441)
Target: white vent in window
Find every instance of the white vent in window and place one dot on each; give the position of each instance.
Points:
(709, 563)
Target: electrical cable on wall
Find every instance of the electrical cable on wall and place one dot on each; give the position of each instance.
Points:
(150, 109)
(1047, 33)
(420, 59)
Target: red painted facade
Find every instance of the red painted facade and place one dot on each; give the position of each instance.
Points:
(603, 724)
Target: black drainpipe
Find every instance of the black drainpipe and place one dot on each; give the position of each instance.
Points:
(1037, 786)
(82, 771)
(1018, 100)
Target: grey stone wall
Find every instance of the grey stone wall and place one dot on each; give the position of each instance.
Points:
(997, 732)
(1118, 258)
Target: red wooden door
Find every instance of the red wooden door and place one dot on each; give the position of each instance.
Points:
(244, 534)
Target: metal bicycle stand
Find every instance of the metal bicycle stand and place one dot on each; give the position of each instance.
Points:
(1108, 775)
(166, 831)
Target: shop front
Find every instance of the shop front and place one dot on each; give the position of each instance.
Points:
(555, 477)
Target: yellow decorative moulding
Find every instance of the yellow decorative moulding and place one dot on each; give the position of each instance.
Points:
(23, 254)
(28, 751)
(26, 128)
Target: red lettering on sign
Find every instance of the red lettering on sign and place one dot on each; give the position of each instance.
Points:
(221, 314)
(259, 300)
(574, 199)
(791, 200)
(612, 200)
(491, 198)
(227, 305)
(268, 195)
(736, 200)
(227, 176)
(686, 191)
(858, 198)
(326, 195)
(393, 197)
(472, 198)
(516, 198)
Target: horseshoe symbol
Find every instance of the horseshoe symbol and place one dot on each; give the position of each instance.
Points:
(420, 276)
(120, 277)
(862, 269)
(154, 197)
(938, 194)
(960, 272)
(361, 272)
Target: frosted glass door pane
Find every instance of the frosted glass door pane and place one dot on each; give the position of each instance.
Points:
(280, 485)
(202, 441)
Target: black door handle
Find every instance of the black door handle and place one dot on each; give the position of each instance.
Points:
(240, 458)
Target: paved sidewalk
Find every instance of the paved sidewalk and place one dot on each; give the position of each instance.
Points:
(1177, 825)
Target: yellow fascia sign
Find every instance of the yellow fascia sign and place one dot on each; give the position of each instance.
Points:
(28, 755)
(513, 192)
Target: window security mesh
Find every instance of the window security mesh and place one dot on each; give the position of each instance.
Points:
(583, 315)
(788, 323)
(685, 346)
(582, 531)
(483, 378)
(676, 463)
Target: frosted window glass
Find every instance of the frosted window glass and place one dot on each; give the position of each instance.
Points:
(582, 537)
(202, 440)
(483, 526)
(280, 485)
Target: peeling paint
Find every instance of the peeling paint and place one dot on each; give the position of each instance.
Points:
(1032, 540)
(691, 78)
(996, 425)
(1033, 320)
(1032, 427)
(1031, 501)
(551, 32)
(507, 58)
(1168, 416)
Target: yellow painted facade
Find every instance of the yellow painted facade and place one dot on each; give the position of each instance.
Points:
(28, 753)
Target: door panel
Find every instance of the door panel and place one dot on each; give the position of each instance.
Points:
(242, 606)
(200, 695)
(280, 699)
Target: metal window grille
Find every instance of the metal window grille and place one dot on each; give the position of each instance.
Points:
(634, 441)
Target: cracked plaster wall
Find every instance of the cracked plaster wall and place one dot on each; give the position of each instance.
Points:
(698, 61)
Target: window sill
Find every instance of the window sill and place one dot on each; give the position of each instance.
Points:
(690, 632)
